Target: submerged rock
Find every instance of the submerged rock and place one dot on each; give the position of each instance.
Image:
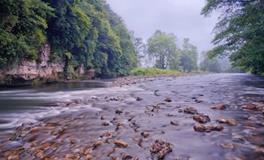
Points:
(145, 134)
(159, 149)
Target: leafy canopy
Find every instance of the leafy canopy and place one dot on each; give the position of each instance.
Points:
(240, 32)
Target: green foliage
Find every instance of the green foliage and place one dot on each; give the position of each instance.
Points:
(81, 32)
(240, 32)
(163, 47)
(153, 71)
(22, 29)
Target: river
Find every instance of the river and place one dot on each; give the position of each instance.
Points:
(30, 104)
(154, 119)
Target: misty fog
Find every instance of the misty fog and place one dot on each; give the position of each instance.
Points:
(182, 18)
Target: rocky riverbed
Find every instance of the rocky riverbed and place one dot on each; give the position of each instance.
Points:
(212, 117)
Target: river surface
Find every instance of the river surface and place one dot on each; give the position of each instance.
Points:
(30, 104)
(92, 121)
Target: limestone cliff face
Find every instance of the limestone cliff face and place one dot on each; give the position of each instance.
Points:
(35, 69)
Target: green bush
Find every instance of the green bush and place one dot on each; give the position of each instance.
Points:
(152, 72)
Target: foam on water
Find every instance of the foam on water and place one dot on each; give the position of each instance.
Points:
(33, 100)
(16, 119)
(28, 105)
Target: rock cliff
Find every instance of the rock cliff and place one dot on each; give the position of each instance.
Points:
(30, 70)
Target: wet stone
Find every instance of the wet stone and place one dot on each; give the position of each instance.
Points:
(174, 123)
(107, 135)
(118, 111)
(120, 144)
(230, 122)
(129, 157)
(200, 128)
(220, 106)
(159, 149)
(105, 124)
(71, 157)
(201, 118)
(190, 110)
(170, 115)
(227, 145)
(198, 101)
(156, 93)
(250, 106)
(215, 127)
(139, 99)
(208, 128)
(97, 144)
(256, 140)
(144, 134)
(168, 100)
(114, 99)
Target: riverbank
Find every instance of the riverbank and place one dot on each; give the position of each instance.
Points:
(217, 116)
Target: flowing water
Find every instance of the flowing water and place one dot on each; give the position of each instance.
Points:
(83, 122)
(28, 104)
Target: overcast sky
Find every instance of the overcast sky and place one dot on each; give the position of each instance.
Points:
(181, 17)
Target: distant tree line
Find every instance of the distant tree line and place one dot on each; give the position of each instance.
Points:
(80, 32)
(163, 48)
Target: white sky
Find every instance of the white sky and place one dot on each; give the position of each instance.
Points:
(181, 17)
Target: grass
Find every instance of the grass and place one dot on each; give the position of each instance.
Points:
(153, 72)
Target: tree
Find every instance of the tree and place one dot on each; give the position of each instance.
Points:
(240, 32)
(188, 56)
(163, 47)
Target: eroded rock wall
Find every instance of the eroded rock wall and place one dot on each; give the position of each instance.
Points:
(29, 70)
